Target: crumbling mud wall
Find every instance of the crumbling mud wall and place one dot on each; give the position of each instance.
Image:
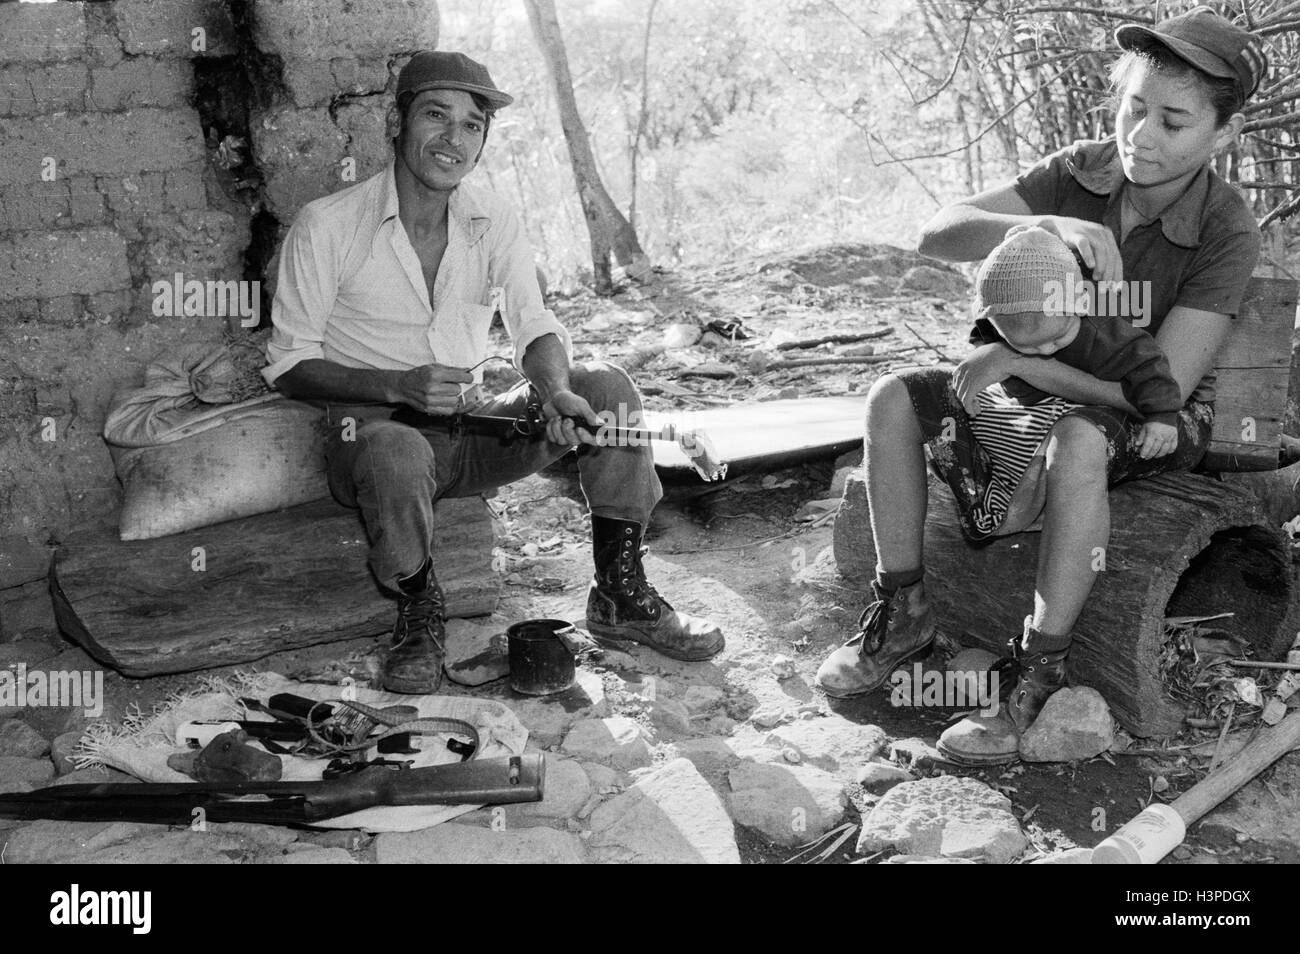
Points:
(142, 140)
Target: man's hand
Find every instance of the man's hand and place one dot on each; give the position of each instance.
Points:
(1094, 243)
(561, 431)
(985, 366)
(432, 388)
(1156, 440)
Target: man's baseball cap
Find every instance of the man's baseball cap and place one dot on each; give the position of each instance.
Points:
(1208, 42)
(435, 69)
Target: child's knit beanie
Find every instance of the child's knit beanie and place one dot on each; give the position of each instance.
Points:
(1030, 271)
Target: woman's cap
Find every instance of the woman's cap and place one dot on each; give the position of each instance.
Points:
(435, 69)
(1208, 42)
(1030, 269)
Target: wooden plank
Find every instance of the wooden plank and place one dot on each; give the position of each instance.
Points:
(1254, 370)
(768, 433)
(1159, 526)
(273, 582)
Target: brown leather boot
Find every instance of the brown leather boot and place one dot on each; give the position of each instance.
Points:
(995, 739)
(622, 606)
(896, 627)
(415, 656)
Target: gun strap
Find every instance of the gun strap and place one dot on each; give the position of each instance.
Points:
(396, 726)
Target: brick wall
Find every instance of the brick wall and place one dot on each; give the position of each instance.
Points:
(114, 175)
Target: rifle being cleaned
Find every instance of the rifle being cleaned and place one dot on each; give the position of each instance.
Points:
(497, 781)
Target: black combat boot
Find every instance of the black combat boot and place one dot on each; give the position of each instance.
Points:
(415, 657)
(623, 606)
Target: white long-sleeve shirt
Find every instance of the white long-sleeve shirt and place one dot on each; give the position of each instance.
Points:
(351, 290)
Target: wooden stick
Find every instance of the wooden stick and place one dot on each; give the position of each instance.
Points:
(926, 343)
(1255, 664)
(1261, 752)
(834, 339)
(836, 359)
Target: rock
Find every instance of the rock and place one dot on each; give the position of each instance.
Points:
(914, 752)
(700, 699)
(349, 839)
(841, 477)
(939, 282)
(783, 667)
(15, 769)
(681, 334)
(791, 755)
(947, 816)
(669, 816)
(546, 722)
(769, 716)
(671, 715)
(831, 743)
(19, 740)
(466, 845)
(711, 756)
(61, 751)
(53, 842)
(616, 741)
(476, 652)
(790, 804)
(973, 659)
(316, 856)
(711, 339)
(880, 777)
(567, 790)
(1074, 724)
(270, 836)
(1071, 856)
(602, 777)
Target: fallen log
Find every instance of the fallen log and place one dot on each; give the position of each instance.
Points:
(1180, 545)
(242, 590)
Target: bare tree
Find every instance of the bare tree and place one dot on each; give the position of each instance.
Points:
(611, 233)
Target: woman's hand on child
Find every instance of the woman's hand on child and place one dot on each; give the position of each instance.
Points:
(1094, 243)
(1156, 440)
(983, 367)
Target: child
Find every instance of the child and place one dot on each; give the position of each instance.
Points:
(1023, 299)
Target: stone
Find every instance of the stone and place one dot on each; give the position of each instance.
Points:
(19, 740)
(669, 816)
(701, 699)
(37, 32)
(783, 667)
(602, 777)
(56, 842)
(769, 716)
(710, 755)
(617, 741)
(61, 752)
(880, 777)
(316, 856)
(671, 715)
(1071, 856)
(271, 836)
(15, 769)
(789, 804)
(164, 27)
(939, 282)
(1074, 724)
(947, 816)
(831, 742)
(468, 845)
(546, 721)
(477, 652)
(66, 262)
(914, 752)
(325, 29)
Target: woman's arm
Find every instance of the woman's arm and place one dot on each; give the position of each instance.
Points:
(968, 230)
(1191, 339)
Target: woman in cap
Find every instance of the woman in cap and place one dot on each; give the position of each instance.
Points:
(1142, 206)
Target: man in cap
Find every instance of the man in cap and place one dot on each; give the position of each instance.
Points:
(385, 296)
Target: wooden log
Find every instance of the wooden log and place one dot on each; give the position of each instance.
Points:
(1177, 542)
(273, 582)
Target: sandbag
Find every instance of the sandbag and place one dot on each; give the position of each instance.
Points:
(247, 458)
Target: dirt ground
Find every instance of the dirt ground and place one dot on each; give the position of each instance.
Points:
(746, 554)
